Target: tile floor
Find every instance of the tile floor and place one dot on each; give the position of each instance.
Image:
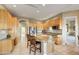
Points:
(58, 50)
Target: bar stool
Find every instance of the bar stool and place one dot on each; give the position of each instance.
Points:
(33, 45)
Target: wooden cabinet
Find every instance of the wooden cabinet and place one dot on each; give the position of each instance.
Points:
(6, 46)
(3, 20)
(57, 40)
(53, 22)
(6, 20)
(13, 22)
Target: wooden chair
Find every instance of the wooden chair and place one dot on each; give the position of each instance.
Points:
(33, 45)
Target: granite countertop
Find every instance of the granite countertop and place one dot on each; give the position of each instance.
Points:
(7, 38)
(53, 34)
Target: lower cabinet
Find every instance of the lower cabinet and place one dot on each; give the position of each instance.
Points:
(57, 40)
(6, 46)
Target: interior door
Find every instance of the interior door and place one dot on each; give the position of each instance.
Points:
(71, 30)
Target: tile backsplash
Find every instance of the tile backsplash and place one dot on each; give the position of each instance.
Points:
(3, 34)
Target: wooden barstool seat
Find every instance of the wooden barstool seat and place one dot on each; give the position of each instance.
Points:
(33, 45)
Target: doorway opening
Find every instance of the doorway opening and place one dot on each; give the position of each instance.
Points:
(70, 30)
(23, 33)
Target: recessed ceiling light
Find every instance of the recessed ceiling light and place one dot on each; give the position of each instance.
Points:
(14, 5)
(37, 11)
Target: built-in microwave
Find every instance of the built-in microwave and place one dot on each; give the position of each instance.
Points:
(55, 27)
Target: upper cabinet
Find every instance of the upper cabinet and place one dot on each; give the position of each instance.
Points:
(13, 23)
(6, 20)
(4, 17)
(53, 22)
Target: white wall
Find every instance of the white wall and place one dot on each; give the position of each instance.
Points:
(64, 30)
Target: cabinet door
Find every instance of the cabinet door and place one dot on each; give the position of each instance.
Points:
(13, 22)
(2, 20)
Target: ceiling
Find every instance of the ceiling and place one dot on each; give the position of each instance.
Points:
(39, 11)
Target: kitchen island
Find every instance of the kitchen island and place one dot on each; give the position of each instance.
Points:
(48, 40)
